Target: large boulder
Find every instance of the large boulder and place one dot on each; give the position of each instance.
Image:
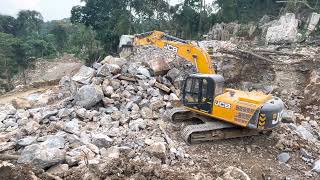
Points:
(88, 96)
(84, 75)
(72, 126)
(284, 30)
(313, 22)
(108, 70)
(159, 66)
(42, 156)
(67, 85)
(101, 140)
(157, 149)
(113, 60)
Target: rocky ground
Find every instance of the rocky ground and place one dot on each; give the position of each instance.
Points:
(107, 121)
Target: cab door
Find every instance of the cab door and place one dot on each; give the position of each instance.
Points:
(198, 93)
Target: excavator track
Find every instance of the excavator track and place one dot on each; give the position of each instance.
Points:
(179, 114)
(209, 130)
(212, 131)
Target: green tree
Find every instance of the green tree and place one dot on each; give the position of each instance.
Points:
(84, 44)
(8, 24)
(61, 36)
(8, 64)
(28, 22)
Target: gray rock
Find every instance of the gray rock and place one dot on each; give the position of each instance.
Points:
(26, 141)
(47, 114)
(305, 133)
(146, 113)
(85, 138)
(67, 85)
(8, 109)
(64, 112)
(81, 113)
(88, 96)
(22, 114)
(232, 173)
(32, 127)
(96, 65)
(173, 74)
(284, 157)
(137, 125)
(107, 90)
(3, 116)
(288, 117)
(156, 105)
(305, 153)
(110, 110)
(157, 149)
(283, 31)
(42, 156)
(116, 115)
(313, 22)
(153, 92)
(173, 97)
(113, 60)
(78, 154)
(265, 19)
(143, 71)
(97, 81)
(115, 84)
(110, 153)
(84, 75)
(93, 148)
(10, 123)
(316, 166)
(72, 126)
(59, 169)
(54, 142)
(115, 97)
(101, 140)
(108, 70)
(132, 69)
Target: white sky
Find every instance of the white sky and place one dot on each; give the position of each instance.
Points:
(50, 9)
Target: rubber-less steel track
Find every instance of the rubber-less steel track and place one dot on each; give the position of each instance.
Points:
(210, 130)
(178, 114)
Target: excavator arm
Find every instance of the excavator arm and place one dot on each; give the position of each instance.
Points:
(199, 57)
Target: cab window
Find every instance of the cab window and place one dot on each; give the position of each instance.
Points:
(192, 90)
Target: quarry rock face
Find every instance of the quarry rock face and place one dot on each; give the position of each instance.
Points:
(284, 30)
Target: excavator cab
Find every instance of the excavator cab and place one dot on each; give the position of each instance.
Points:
(200, 90)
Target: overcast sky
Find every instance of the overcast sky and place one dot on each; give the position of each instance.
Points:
(50, 9)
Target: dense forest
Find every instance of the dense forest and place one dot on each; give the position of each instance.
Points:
(93, 30)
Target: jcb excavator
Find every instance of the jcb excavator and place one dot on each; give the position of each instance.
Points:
(224, 113)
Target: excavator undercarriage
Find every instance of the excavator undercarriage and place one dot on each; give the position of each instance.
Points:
(206, 129)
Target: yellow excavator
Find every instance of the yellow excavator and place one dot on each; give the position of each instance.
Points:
(223, 113)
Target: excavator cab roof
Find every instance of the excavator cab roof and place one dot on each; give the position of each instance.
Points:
(215, 77)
